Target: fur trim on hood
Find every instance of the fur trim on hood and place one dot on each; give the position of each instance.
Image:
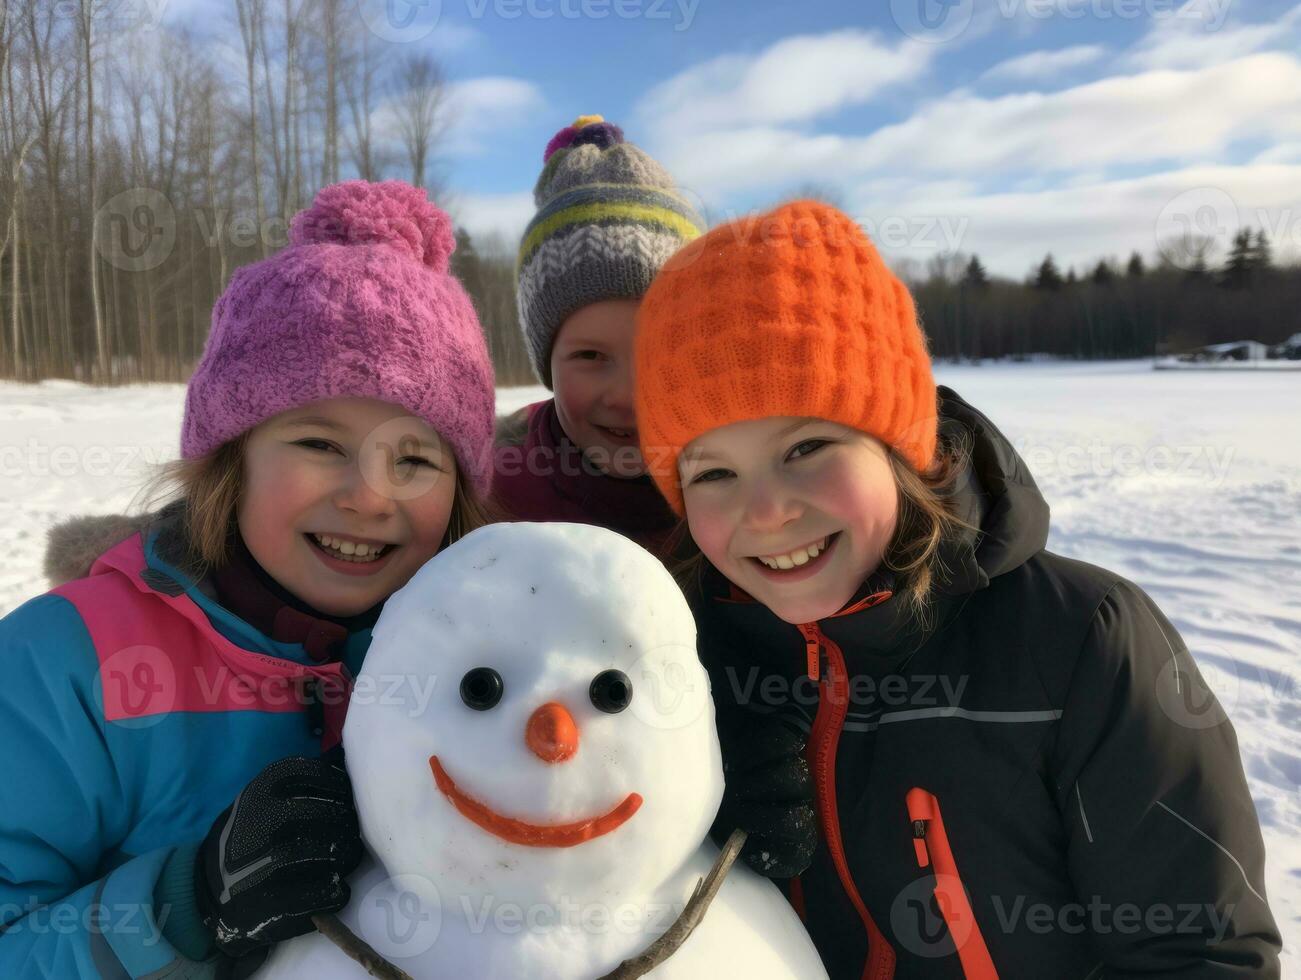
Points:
(72, 546)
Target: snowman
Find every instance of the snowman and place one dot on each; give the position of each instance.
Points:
(532, 749)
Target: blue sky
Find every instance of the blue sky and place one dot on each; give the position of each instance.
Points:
(1003, 127)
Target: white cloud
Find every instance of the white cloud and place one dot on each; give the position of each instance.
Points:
(1280, 153)
(1149, 117)
(451, 38)
(755, 157)
(484, 105)
(494, 221)
(1182, 40)
(1079, 224)
(1042, 65)
(1152, 117)
(795, 79)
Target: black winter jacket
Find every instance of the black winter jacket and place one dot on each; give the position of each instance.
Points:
(1038, 784)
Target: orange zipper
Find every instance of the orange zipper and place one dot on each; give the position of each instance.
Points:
(833, 705)
(932, 845)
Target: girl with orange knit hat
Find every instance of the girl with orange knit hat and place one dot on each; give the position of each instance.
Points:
(962, 754)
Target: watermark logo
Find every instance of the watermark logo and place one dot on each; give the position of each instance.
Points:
(402, 916)
(400, 21)
(923, 921)
(135, 231)
(1196, 696)
(136, 686)
(938, 21)
(1208, 463)
(143, 922)
(117, 16)
(669, 690)
(861, 691)
(681, 12)
(66, 461)
(1196, 225)
(1101, 918)
(932, 21)
(391, 460)
(567, 914)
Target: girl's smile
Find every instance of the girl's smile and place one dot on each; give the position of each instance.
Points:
(350, 556)
(800, 563)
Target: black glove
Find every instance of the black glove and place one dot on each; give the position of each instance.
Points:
(768, 793)
(278, 855)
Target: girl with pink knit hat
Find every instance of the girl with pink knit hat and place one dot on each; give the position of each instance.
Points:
(337, 434)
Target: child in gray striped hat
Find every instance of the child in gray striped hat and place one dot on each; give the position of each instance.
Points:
(609, 216)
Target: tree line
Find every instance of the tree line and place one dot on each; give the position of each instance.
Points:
(1178, 301)
(140, 165)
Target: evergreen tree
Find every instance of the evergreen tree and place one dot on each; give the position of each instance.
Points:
(1048, 278)
(975, 276)
(465, 262)
(1135, 269)
(1261, 254)
(1239, 267)
(1102, 274)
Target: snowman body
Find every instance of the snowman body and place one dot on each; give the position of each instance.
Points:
(532, 749)
(748, 931)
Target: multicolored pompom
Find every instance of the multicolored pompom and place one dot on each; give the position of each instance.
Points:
(585, 129)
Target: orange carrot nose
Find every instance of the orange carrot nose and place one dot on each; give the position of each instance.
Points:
(551, 733)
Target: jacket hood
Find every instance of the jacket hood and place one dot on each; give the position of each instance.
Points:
(71, 546)
(995, 493)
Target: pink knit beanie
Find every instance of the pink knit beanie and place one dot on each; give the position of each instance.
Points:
(359, 305)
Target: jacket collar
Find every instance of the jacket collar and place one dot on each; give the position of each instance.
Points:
(245, 588)
(247, 610)
(633, 506)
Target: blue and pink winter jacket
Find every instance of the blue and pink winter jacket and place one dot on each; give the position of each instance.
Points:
(134, 708)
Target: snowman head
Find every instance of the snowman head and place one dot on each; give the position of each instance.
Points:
(532, 723)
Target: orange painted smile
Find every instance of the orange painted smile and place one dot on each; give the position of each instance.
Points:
(532, 834)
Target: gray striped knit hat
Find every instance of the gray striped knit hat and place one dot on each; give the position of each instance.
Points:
(608, 217)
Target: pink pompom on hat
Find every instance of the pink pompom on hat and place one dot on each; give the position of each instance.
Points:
(361, 304)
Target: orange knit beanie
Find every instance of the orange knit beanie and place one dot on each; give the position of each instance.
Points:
(791, 313)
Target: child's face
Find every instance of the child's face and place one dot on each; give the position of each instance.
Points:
(591, 374)
(769, 487)
(356, 470)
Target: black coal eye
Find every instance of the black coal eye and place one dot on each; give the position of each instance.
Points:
(481, 688)
(611, 691)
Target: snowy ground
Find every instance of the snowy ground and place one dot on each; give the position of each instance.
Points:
(1189, 483)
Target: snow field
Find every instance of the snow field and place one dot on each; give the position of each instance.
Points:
(1186, 482)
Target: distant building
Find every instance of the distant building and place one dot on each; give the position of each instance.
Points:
(1290, 349)
(1233, 350)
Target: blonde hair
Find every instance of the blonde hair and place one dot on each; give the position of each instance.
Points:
(208, 489)
(927, 517)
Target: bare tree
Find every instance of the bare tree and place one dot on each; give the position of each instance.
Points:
(291, 195)
(332, 41)
(86, 24)
(251, 13)
(360, 84)
(15, 141)
(417, 104)
(49, 92)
